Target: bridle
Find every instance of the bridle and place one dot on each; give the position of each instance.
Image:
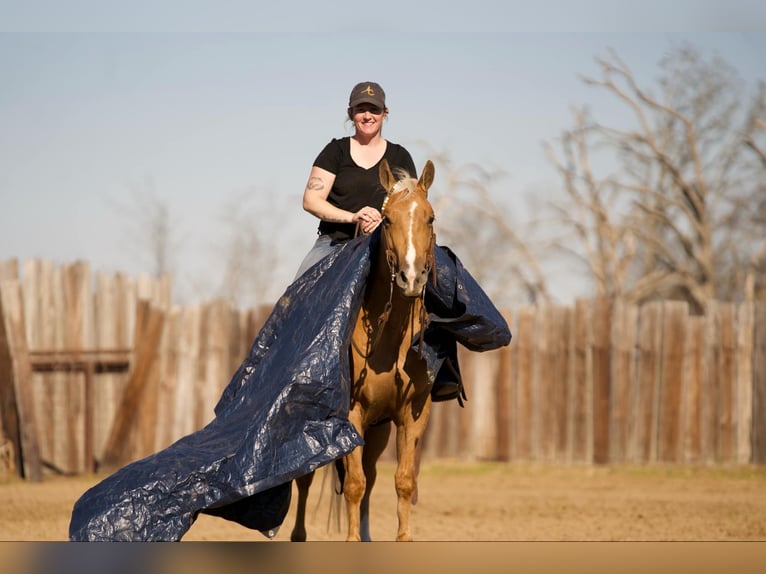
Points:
(392, 262)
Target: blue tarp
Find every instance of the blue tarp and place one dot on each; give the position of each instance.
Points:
(284, 412)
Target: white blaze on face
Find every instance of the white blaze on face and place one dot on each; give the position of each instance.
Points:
(409, 257)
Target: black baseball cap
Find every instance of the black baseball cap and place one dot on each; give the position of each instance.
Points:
(367, 93)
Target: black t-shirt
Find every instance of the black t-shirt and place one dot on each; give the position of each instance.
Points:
(356, 187)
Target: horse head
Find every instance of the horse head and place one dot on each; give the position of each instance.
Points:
(408, 232)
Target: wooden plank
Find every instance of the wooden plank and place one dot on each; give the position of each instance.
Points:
(235, 355)
(564, 374)
(78, 317)
(74, 388)
(727, 384)
(758, 441)
(145, 287)
(10, 427)
(744, 390)
(513, 390)
(691, 409)
(168, 378)
(674, 329)
(14, 340)
(560, 340)
(43, 304)
(117, 325)
(464, 421)
(41, 399)
(623, 336)
(550, 398)
(148, 423)
(568, 344)
(581, 396)
(89, 455)
(60, 384)
(9, 269)
(710, 386)
(602, 317)
(503, 399)
(485, 380)
(149, 326)
(449, 420)
(462, 438)
(186, 352)
(525, 359)
(157, 397)
(215, 347)
(163, 295)
(718, 412)
(543, 392)
(106, 311)
(643, 436)
(115, 319)
(449, 415)
(201, 408)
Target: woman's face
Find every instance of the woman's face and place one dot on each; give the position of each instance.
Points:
(367, 118)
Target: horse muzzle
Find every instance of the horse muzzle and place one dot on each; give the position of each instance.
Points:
(411, 283)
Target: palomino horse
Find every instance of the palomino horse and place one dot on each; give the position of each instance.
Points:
(390, 383)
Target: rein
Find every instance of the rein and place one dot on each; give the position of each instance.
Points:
(386, 314)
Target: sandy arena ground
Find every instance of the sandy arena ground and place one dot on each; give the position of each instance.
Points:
(462, 501)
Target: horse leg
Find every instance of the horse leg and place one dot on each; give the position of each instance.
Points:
(354, 483)
(375, 441)
(408, 435)
(303, 483)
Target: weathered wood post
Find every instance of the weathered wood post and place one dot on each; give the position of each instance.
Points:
(16, 382)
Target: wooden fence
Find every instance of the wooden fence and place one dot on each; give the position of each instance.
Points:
(108, 370)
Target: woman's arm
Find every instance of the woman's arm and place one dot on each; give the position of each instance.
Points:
(315, 202)
(315, 197)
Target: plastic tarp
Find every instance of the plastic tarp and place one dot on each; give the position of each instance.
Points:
(284, 412)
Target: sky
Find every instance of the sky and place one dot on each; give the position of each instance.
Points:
(218, 109)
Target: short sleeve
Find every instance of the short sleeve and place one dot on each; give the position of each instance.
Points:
(330, 157)
(407, 163)
(400, 158)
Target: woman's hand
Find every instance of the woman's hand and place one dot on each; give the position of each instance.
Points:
(368, 218)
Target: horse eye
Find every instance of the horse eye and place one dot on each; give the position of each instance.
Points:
(385, 220)
(431, 220)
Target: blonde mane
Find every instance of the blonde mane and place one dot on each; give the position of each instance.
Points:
(405, 182)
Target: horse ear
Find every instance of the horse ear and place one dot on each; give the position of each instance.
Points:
(427, 177)
(385, 175)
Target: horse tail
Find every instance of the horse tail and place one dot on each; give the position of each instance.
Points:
(332, 484)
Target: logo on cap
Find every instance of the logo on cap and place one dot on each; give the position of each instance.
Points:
(368, 90)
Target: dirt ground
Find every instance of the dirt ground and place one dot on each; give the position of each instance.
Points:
(462, 501)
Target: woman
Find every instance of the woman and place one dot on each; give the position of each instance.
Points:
(345, 194)
(343, 189)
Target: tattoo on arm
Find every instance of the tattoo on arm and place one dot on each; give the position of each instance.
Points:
(315, 184)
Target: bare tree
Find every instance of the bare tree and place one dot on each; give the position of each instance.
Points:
(249, 259)
(755, 130)
(595, 212)
(685, 172)
(148, 225)
(498, 252)
(755, 140)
